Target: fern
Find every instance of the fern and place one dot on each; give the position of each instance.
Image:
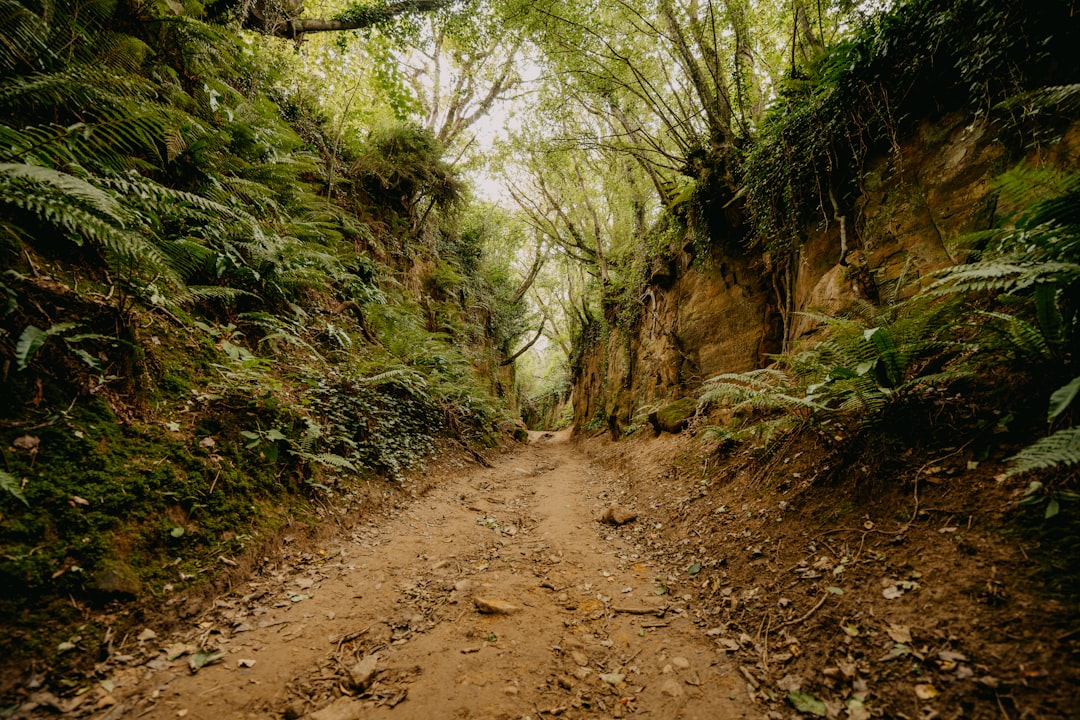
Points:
(1061, 448)
(23, 37)
(329, 460)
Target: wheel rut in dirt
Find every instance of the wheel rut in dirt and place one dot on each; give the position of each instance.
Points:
(496, 595)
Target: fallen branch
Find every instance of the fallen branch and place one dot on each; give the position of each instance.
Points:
(810, 612)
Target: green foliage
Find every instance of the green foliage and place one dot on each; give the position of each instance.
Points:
(916, 60)
(867, 368)
(10, 483)
(1060, 448)
(1027, 271)
(401, 166)
(164, 216)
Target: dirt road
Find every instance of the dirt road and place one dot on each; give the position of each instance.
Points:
(496, 595)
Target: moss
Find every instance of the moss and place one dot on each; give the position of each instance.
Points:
(673, 417)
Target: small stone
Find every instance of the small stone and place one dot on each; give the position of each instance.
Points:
(363, 673)
(463, 586)
(344, 708)
(580, 658)
(618, 515)
(671, 688)
(565, 681)
(493, 606)
(680, 663)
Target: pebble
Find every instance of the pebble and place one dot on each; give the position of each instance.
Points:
(494, 606)
(671, 688)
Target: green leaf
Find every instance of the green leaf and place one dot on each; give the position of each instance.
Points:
(93, 362)
(694, 569)
(11, 483)
(30, 341)
(203, 658)
(1061, 399)
(1052, 508)
(807, 703)
(177, 532)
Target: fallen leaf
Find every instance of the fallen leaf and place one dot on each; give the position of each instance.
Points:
(892, 592)
(899, 633)
(925, 691)
(612, 678)
(245, 663)
(202, 658)
(146, 634)
(75, 499)
(26, 442)
(807, 703)
(178, 650)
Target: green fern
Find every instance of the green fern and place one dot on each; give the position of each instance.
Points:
(1061, 448)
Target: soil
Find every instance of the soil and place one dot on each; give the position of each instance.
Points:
(604, 579)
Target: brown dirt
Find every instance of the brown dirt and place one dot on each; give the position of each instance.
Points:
(586, 635)
(876, 595)
(739, 591)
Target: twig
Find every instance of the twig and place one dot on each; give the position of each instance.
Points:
(810, 612)
(765, 643)
(659, 612)
(997, 699)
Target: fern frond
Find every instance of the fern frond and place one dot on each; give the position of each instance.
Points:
(23, 37)
(1061, 448)
(1004, 276)
(329, 460)
(75, 189)
(208, 292)
(1021, 338)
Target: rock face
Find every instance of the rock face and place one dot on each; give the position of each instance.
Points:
(727, 314)
(698, 322)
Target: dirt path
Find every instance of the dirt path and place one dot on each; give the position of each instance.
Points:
(388, 622)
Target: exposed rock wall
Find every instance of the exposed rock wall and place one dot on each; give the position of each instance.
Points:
(727, 315)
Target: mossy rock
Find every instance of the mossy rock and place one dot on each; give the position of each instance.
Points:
(673, 417)
(116, 579)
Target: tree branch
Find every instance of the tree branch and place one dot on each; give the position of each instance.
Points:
(522, 351)
(355, 18)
